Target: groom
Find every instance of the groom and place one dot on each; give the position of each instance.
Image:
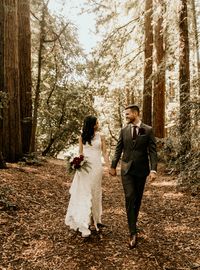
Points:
(137, 143)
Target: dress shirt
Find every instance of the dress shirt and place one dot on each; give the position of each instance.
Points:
(136, 125)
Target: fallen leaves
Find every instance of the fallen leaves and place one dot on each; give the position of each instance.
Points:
(33, 236)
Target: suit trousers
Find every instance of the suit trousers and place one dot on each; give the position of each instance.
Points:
(133, 189)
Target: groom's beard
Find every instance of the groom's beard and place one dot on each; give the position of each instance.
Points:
(130, 121)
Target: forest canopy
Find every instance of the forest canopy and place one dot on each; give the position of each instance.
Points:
(148, 54)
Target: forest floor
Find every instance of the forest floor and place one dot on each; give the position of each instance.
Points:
(33, 236)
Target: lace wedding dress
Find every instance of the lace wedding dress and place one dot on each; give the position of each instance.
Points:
(86, 193)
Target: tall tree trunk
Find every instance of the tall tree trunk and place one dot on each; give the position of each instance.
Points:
(47, 149)
(132, 98)
(11, 116)
(129, 95)
(1, 73)
(194, 17)
(37, 90)
(184, 78)
(148, 51)
(159, 82)
(25, 72)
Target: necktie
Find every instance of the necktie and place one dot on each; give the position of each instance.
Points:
(134, 132)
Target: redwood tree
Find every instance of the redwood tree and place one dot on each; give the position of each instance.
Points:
(194, 18)
(184, 78)
(11, 128)
(39, 74)
(1, 75)
(25, 72)
(148, 51)
(159, 81)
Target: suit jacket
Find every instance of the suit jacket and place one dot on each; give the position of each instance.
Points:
(138, 156)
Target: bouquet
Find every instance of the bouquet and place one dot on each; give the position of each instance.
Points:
(77, 163)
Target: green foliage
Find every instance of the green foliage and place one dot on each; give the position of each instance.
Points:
(64, 97)
(185, 166)
(60, 120)
(118, 59)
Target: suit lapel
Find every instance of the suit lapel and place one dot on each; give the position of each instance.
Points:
(129, 134)
(130, 137)
(142, 125)
(134, 144)
(137, 136)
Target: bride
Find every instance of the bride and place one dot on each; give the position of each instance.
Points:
(85, 205)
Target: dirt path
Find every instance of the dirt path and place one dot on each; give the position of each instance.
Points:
(33, 236)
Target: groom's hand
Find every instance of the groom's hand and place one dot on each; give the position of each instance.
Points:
(112, 172)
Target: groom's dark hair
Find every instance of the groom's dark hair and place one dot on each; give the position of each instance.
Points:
(133, 107)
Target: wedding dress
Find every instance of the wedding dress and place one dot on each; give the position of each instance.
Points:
(86, 193)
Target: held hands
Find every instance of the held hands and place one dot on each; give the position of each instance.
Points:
(112, 172)
(152, 175)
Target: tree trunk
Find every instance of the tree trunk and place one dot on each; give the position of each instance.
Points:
(132, 98)
(184, 78)
(1, 45)
(148, 50)
(11, 128)
(2, 162)
(25, 72)
(129, 95)
(1, 69)
(37, 90)
(47, 149)
(194, 17)
(159, 82)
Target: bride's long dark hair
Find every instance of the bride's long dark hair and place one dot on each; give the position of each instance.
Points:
(88, 129)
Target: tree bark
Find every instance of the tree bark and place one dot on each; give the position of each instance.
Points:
(148, 51)
(11, 128)
(1, 68)
(184, 78)
(2, 162)
(129, 95)
(47, 149)
(37, 90)
(159, 81)
(196, 40)
(25, 72)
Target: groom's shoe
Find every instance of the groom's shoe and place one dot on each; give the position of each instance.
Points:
(132, 241)
(100, 225)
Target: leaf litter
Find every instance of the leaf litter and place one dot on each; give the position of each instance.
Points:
(33, 236)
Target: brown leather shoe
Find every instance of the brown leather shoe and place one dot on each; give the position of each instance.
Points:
(132, 241)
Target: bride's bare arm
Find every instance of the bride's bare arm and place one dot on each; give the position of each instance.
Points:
(80, 146)
(104, 151)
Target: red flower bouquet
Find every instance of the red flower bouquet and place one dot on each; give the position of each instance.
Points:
(77, 163)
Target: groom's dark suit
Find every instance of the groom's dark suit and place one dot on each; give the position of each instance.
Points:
(137, 154)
